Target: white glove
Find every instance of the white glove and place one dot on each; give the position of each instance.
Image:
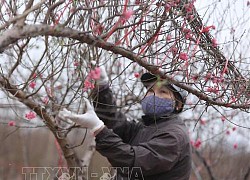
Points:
(103, 75)
(89, 119)
(103, 78)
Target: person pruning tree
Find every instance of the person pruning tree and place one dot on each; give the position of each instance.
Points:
(157, 147)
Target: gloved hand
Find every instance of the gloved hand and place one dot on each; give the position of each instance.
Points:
(103, 75)
(89, 119)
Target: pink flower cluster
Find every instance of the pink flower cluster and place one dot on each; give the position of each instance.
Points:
(235, 146)
(76, 63)
(214, 42)
(98, 29)
(195, 77)
(203, 122)
(168, 38)
(169, 4)
(207, 29)
(136, 74)
(32, 84)
(126, 15)
(223, 118)
(30, 115)
(137, 2)
(11, 123)
(93, 75)
(33, 78)
(215, 79)
(196, 144)
(214, 89)
(183, 56)
(189, 7)
(187, 32)
(174, 50)
(45, 100)
(88, 85)
(228, 132)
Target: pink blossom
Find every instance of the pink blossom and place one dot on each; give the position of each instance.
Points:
(190, 17)
(225, 70)
(207, 29)
(214, 42)
(228, 132)
(168, 7)
(98, 29)
(213, 89)
(234, 128)
(223, 118)
(235, 146)
(137, 75)
(233, 99)
(45, 100)
(34, 76)
(248, 3)
(95, 74)
(215, 80)
(76, 63)
(174, 50)
(189, 7)
(11, 123)
(72, 9)
(203, 122)
(197, 143)
(186, 30)
(195, 77)
(126, 15)
(188, 36)
(32, 84)
(30, 115)
(208, 76)
(88, 84)
(183, 56)
(187, 33)
(168, 37)
(137, 2)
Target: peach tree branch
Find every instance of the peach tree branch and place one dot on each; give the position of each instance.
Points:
(11, 36)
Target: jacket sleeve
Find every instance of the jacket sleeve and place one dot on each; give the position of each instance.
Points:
(113, 118)
(157, 155)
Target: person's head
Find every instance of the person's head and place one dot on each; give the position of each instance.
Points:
(162, 98)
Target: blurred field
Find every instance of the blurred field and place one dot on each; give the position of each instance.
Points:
(33, 148)
(36, 148)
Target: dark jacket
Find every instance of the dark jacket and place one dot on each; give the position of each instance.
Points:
(154, 149)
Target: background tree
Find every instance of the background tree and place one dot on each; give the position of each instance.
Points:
(47, 48)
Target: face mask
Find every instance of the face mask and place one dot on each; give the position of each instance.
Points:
(153, 105)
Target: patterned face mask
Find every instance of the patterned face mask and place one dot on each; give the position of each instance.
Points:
(153, 105)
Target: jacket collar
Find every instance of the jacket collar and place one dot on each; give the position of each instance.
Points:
(148, 120)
